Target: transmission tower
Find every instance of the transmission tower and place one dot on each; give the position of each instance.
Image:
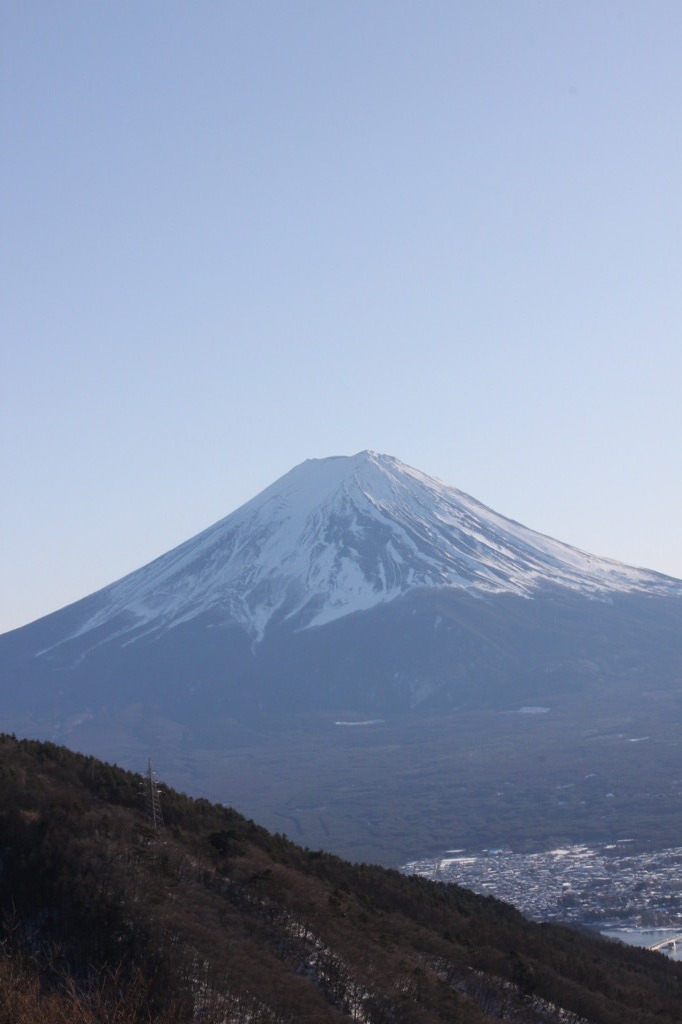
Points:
(152, 801)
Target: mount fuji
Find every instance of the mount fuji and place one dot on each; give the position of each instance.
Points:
(340, 535)
(355, 588)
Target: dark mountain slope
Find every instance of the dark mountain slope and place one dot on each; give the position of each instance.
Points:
(213, 919)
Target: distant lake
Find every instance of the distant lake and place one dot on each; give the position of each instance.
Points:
(646, 937)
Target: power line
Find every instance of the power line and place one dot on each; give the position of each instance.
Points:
(152, 799)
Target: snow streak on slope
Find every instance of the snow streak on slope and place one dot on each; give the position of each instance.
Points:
(339, 535)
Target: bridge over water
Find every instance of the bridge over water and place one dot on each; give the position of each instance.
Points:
(672, 940)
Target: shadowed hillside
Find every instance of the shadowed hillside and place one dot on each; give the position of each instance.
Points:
(213, 919)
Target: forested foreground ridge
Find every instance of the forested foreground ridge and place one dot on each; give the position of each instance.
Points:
(211, 919)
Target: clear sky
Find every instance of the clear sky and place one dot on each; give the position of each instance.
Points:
(239, 234)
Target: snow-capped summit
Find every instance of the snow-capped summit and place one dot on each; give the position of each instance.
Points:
(344, 534)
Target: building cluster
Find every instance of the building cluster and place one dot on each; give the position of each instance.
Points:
(594, 885)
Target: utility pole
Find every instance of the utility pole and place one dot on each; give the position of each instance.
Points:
(152, 801)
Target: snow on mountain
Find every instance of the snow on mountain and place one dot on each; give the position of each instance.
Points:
(343, 534)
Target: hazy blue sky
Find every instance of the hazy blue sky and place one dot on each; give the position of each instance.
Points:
(236, 235)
